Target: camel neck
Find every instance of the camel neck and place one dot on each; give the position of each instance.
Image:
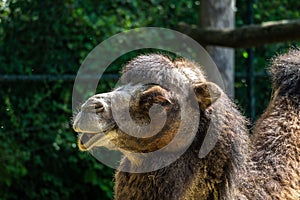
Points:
(179, 180)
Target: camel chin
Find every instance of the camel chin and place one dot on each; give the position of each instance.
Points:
(87, 141)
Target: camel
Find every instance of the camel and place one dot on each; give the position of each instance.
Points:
(273, 169)
(188, 176)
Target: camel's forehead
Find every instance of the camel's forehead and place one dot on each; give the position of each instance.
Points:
(193, 74)
(161, 70)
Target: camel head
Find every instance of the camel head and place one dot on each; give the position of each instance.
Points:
(140, 117)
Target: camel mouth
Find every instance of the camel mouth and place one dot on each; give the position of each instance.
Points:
(87, 141)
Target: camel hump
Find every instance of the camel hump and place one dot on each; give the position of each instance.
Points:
(285, 71)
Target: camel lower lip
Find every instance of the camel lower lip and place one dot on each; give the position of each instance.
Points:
(85, 137)
(86, 140)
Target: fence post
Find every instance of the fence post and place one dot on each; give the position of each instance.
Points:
(250, 70)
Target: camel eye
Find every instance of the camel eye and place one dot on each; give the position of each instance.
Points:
(156, 94)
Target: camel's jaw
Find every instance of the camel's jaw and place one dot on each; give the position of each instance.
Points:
(86, 141)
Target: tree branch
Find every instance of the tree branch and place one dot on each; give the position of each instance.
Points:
(246, 36)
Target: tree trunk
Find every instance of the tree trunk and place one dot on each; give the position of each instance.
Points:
(219, 14)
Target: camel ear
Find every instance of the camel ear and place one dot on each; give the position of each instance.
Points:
(156, 94)
(206, 93)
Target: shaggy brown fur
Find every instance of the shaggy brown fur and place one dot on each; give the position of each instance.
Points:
(189, 177)
(274, 169)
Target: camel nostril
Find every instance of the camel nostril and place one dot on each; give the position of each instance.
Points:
(99, 108)
(95, 107)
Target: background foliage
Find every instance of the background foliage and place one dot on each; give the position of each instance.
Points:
(39, 158)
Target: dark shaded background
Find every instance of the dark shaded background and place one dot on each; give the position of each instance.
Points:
(39, 158)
